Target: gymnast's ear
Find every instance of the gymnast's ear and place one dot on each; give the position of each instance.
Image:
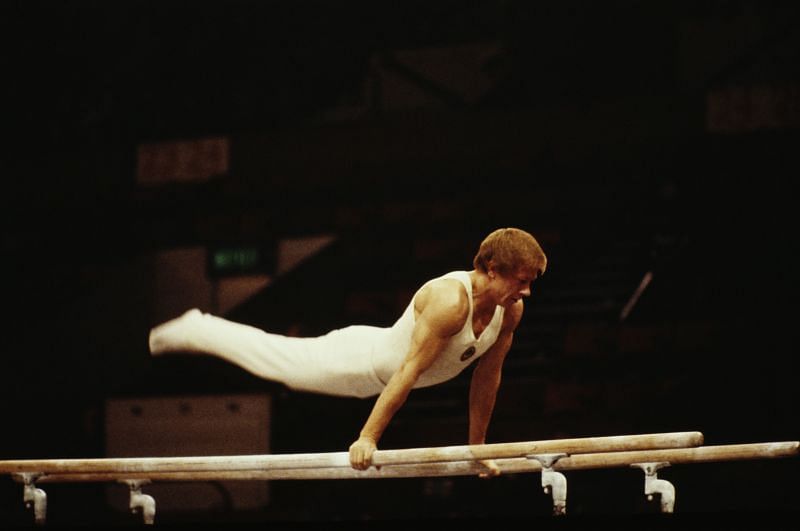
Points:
(490, 269)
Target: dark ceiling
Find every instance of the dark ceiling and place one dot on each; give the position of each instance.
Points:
(143, 69)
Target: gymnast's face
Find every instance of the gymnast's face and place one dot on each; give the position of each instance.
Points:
(512, 286)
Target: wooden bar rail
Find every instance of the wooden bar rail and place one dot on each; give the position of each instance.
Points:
(732, 452)
(127, 465)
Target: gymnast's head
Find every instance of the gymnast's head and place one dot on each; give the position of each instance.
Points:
(510, 250)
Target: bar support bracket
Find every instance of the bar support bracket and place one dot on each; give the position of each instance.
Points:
(552, 481)
(33, 497)
(653, 485)
(139, 502)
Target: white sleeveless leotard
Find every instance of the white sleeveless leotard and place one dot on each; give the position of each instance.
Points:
(356, 360)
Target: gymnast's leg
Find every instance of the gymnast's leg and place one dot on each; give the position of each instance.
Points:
(269, 356)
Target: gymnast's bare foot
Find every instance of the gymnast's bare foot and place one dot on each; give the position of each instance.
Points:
(170, 336)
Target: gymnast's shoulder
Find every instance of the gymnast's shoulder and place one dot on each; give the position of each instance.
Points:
(443, 295)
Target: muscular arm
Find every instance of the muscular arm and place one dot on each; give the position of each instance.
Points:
(486, 381)
(443, 309)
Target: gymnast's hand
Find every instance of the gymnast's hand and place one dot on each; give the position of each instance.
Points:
(361, 453)
(490, 468)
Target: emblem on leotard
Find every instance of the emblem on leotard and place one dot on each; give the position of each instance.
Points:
(468, 353)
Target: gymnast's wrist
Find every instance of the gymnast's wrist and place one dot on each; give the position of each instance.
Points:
(366, 437)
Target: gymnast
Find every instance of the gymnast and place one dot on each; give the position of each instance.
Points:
(451, 321)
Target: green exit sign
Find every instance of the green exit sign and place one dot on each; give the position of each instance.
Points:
(239, 260)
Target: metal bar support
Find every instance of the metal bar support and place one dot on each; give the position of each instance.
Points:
(655, 486)
(553, 482)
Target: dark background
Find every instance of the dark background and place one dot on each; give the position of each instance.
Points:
(627, 136)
